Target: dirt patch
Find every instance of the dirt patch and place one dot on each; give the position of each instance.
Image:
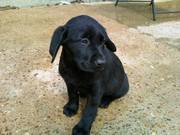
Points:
(32, 94)
(167, 32)
(163, 30)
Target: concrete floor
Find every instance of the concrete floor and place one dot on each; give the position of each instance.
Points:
(32, 94)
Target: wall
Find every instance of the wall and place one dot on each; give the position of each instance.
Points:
(28, 3)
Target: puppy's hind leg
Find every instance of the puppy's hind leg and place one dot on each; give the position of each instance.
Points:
(124, 88)
(106, 100)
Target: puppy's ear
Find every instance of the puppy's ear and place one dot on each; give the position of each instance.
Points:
(110, 45)
(58, 37)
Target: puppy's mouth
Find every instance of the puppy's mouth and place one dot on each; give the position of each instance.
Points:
(90, 67)
(100, 68)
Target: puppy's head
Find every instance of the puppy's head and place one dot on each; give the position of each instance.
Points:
(85, 41)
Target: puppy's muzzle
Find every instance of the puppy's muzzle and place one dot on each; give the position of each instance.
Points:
(100, 63)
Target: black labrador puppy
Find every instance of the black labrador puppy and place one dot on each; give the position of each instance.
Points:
(89, 68)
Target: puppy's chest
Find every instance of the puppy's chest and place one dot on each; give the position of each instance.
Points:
(75, 77)
(82, 86)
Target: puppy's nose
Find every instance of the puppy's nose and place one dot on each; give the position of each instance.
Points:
(100, 62)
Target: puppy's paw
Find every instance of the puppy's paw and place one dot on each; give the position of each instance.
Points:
(80, 130)
(70, 109)
(104, 103)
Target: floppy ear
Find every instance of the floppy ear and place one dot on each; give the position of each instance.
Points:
(57, 39)
(110, 45)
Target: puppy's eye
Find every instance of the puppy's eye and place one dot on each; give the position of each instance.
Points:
(85, 41)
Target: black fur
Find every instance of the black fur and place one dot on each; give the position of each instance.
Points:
(89, 67)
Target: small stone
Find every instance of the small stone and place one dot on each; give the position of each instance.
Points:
(35, 74)
(152, 114)
(168, 119)
(162, 79)
(45, 119)
(152, 66)
(26, 133)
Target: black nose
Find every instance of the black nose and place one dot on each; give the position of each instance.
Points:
(100, 62)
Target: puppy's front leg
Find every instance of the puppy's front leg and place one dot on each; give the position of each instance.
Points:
(72, 106)
(89, 114)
